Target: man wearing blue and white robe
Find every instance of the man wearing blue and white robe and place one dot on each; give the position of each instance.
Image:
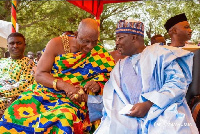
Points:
(157, 74)
(165, 74)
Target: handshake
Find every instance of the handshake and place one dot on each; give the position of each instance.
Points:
(80, 94)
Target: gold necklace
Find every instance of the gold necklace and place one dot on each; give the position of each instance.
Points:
(65, 41)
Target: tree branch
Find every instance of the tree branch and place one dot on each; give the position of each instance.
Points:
(33, 22)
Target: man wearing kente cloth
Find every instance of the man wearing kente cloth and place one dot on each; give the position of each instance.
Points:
(146, 91)
(15, 71)
(71, 74)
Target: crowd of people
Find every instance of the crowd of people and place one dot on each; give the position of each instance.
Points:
(79, 87)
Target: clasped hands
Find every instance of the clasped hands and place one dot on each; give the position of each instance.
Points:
(79, 93)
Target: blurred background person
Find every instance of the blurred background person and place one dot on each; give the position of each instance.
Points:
(158, 39)
(69, 33)
(38, 55)
(199, 44)
(30, 55)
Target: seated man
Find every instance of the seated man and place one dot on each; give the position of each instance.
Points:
(69, 85)
(146, 91)
(158, 39)
(15, 71)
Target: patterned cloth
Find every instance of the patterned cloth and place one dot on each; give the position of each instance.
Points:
(130, 26)
(15, 76)
(131, 83)
(45, 110)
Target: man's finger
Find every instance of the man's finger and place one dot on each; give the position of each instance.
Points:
(133, 113)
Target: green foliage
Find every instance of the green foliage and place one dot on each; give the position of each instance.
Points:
(5, 8)
(41, 21)
(155, 13)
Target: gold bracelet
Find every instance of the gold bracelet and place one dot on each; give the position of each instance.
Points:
(55, 83)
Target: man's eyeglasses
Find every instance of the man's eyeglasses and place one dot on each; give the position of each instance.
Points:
(87, 42)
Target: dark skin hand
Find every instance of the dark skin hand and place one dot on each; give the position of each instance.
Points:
(81, 97)
(68, 88)
(140, 109)
(91, 85)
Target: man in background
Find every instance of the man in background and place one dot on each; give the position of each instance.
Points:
(179, 30)
(158, 39)
(30, 55)
(69, 33)
(15, 71)
(38, 55)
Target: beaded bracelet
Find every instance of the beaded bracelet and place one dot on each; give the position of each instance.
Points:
(55, 83)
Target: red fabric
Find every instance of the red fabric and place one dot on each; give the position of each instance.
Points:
(94, 7)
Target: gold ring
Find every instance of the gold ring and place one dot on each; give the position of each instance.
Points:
(76, 96)
(81, 92)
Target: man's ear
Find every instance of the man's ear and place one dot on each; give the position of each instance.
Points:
(174, 30)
